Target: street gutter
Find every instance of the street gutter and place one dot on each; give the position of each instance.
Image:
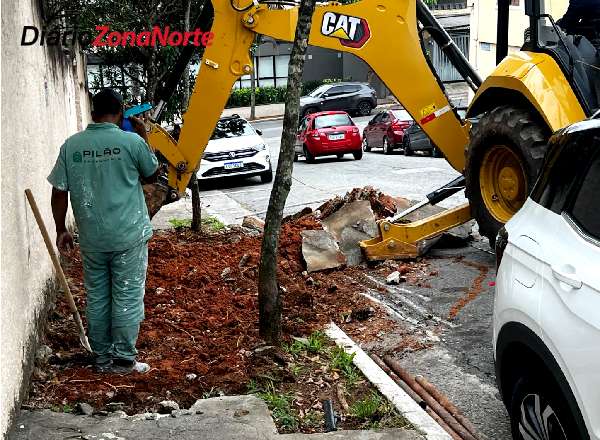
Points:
(410, 409)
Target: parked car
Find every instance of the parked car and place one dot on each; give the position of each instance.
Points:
(236, 149)
(327, 133)
(547, 303)
(357, 98)
(386, 130)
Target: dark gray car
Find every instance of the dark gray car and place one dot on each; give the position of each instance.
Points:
(358, 98)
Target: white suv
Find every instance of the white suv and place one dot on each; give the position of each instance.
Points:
(236, 149)
(547, 304)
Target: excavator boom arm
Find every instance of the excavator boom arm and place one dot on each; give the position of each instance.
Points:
(383, 34)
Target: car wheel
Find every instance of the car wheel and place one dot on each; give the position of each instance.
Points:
(408, 151)
(310, 111)
(435, 152)
(295, 157)
(365, 145)
(387, 149)
(267, 176)
(309, 157)
(358, 155)
(364, 108)
(538, 410)
(340, 156)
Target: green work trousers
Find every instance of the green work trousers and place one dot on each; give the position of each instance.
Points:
(115, 284)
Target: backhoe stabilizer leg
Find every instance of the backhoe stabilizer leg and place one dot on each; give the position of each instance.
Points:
(404, 241)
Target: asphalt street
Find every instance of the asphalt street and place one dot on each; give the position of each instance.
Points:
(459, 360)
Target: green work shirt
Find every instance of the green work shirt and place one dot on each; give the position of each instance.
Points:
(101, 167)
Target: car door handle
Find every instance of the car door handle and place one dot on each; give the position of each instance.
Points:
(567, 278)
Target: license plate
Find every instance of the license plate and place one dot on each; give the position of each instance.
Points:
(233, 165)
(336, 137)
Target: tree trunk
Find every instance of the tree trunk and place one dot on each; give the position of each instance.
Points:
(196, 206)
(269, 299)
(253, 94)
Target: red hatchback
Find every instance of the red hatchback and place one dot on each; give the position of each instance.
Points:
(386, 130)
(326, 134)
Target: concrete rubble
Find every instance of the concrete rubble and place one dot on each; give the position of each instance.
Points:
(351, 224)
(321, 251)
(353, 218)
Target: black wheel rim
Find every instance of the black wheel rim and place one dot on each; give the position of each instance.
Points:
(365, 145)
(386, 147)
(364, 108)
(538, 420)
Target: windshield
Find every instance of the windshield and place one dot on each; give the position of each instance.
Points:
(402, 115)
(232, 127)
(316, 92)
(335, 120)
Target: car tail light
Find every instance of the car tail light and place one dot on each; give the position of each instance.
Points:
(400, 124)
(501, 242)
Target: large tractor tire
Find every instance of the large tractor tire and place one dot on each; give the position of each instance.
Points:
(503, 159)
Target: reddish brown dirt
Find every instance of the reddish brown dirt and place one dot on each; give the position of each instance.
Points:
(198, 321)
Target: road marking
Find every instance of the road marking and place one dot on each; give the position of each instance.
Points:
(417, 308)
(418, 170)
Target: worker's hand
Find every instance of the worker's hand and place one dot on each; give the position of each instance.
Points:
(139, 127)
(64, 242)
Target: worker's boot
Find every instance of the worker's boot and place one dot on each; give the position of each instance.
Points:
(125, 366)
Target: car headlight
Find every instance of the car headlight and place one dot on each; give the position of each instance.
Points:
(259, 147)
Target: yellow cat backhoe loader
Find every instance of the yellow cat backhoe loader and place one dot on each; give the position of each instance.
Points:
(547, 85)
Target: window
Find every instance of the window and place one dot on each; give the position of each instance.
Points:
(271, 71)
(232, 127)
(334, 91)
(584, 211)
(385, 117)
(402, 115)
(335, 120)
(351, 89)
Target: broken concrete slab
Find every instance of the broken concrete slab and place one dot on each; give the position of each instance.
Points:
(351, 224)
(321, 251)
(230, 417)
(252, 222)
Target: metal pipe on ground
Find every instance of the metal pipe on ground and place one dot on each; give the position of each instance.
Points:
(430, 400)
(408, 390)
(446, 403)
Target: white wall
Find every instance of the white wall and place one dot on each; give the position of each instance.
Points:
(42, 104)
(484, 16)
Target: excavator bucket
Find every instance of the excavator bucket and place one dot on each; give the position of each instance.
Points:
(403, 241)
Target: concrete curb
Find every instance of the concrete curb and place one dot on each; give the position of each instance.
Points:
(402, 401)
(280, 117)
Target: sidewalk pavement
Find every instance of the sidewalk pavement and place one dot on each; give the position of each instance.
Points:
(275, 111)
(229, 417)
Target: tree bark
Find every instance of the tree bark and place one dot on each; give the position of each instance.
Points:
(196, 206)
(269, 298)
(253, 94)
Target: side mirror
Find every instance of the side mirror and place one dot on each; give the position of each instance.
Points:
(258, 132)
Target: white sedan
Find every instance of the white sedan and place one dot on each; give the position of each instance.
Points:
(547, 303)
(236, 149)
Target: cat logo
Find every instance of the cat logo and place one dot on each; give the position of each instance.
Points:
(351, 31)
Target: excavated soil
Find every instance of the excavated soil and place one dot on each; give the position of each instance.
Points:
(201, 321)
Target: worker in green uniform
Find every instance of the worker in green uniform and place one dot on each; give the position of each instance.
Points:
(103, 168)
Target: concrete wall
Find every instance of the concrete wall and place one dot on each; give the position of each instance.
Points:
(43, 102)
(484, 16)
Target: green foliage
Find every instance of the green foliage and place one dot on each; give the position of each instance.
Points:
(295, 348)
(270, 95)
(316, 342)
(211, 223)
(342, 361)
(367, 408)
(280, 406)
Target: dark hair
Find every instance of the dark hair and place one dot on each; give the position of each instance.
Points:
(107, 102)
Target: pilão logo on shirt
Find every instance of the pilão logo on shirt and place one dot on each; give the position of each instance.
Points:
(107, 153)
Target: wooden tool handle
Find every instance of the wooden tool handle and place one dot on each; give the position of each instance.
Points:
(61, 275)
